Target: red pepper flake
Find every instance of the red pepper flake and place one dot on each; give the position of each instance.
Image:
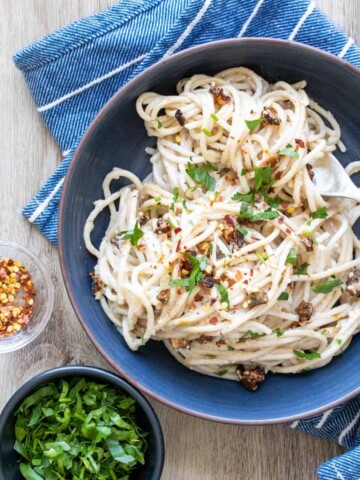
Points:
(300, 142)
(177, 230)
(213, 321)
(281, 220)
(198, 297)
(288, 231)
(178, 246)
(246, 282)
(205, 338)
(278, 175)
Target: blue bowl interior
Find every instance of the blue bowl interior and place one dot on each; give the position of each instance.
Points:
(145, 416)
(118, 138)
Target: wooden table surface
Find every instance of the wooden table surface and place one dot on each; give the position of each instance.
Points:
(195, 449)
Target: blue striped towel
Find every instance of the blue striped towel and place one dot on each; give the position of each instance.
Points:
(73, 72)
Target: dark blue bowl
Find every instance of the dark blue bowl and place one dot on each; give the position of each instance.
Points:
(145, 415)
(117, 137)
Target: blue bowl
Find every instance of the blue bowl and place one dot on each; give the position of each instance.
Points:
(117, 138)
(145, 415)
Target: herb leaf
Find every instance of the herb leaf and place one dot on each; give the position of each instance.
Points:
(133, 235)
(263, 178)
(302, 270)
(248, 197)
(206, 131)
(221, 373)
(283, 296)
(214, 117)
(200, 175)
(267, 215)
(279, 331)
(292, 256)
(308, 356)
(242, 230)
(230, 348)
(320, 213)
(159, 124)
(224, 296)
(243, 172)
(252, 124)
(250, 333)
(326, 287)
(209, 166)
(289, 152)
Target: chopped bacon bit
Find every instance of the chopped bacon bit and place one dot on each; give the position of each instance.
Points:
(219, 96)
(310, 171)
(198, 297)
(180, 343)
(180, 117)
(164, 296)
(306, 241)
(231, 235)
(250, 377)
(209, 280)
(304, 310)
(268, 116)
(253, 299)
(213, 321)
(163, 226)
(177, 230)
(300, 142)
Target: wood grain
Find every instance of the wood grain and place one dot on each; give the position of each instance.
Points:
(195, 449)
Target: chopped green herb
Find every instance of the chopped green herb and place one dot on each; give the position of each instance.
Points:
(78, 429)
(292, 256)
(142, 341)
(175, 192)
(209, 166)
(195, 276)
(199, 175)
(263, 178)
(267, 215)
(214, 117)
(245, 212)
(133, 235)
(157, 199)
(262, 257)
(339, 341)
(289, 152)
(320, 213)
(314, 241)
(326, 287)
(242, 230)
(283, 296)
(159, 124)
(308, 356)
(211, 248)
(171, 223)
(221, 373)
(230, 348)
(273, 201)
(279, 331)
(248, 197)
(250, 333)
(243, 172)
(206, 131)
(252, 124)
(323, 332)
(224, 296)
(179, 282)
(302, 270)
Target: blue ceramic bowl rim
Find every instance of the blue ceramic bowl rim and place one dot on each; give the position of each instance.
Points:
(158, 65)
(103, 376)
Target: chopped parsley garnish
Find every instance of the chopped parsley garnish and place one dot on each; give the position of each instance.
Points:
(170, 222)
(221, 373)
(245, 211)
(250, 333)
(248, 197)
(133, 235)
(211, 248)
(320, 213)
(206, 131)
(289, 152)
(339, 341)
(308, 356)
(157, 199)
(200, 175)
(263, 178)
(242, 230)
(214, 117)
(292, 256)
(279, 332)
(230, 348)
(195, 276)
(302, 270)
(159, 124)
(262, 257)
(283, 296)
(243, 172)
(175, 192)
(252, 124)
(326, 287)
(273, 201)
(269, 214)
(78, 429)
(224, 296)
(209, 166)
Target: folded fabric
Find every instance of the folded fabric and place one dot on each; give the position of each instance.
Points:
(72, 73)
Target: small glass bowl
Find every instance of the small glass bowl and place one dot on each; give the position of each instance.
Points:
(43, 301)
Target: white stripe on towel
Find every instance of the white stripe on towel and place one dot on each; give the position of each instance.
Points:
(338, 474)
(189, 29)
(301, 22)
(348, 428)
(346, 47)
(53, 104)
(43, 205)
(324, 418)
(248, 21)
(294, 424)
